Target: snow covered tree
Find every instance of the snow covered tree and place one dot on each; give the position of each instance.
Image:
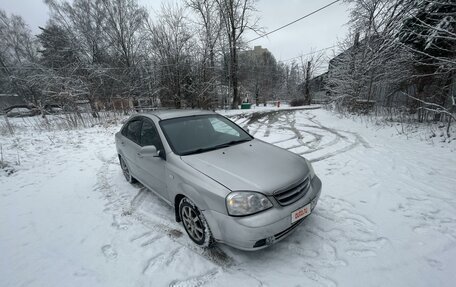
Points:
(171, 44)
(18, 58)
(209, 27)
(108, 37)
(429, 32)
(237, 17)
(57, 51)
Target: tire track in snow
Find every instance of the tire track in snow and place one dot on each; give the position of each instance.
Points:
(140, 236)
(322, 143)
(318, 278)
(196, 281)
(347, 140)
(153, 261)
(151, 240)
(355, 229)
(283, 140)
(126, 209)
(272, 118)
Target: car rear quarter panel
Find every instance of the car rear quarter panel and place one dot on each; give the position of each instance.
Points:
(118, 138)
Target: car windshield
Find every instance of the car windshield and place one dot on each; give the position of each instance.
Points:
(197, 134)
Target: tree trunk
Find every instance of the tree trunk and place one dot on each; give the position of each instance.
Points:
(93, 107)
(234, 77)
(307, 99)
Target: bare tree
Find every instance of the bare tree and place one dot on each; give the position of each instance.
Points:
(399, 48)
(108, 37)
(18, 57)
(310, 65)
(170, 43)
(237, 16)
(258, 74)
(428, 31)
(125, 21)
(83, 21)
(209, 29)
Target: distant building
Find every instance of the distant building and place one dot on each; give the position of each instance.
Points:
(317, 88)
(257, 68)
(258, 50)
(321, 86)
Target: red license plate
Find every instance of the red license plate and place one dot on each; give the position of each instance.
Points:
(300, 213)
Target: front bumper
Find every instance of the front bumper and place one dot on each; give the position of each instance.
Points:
(262, 229)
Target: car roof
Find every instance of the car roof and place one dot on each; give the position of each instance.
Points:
(171, 114)
(17, 106)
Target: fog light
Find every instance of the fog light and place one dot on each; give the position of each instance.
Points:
(269, 240)
(260, 243)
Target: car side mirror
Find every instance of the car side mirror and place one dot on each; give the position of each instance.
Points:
(149, 151)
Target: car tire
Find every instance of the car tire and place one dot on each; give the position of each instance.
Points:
(126, 171)
(195, 223)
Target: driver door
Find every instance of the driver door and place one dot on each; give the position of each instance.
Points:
(152, 169)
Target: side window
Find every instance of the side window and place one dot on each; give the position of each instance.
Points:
(124, 130)
(221, 127)
(150, 136)
(134, 130)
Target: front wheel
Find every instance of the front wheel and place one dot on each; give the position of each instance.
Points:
(195, 224)
(126, 171)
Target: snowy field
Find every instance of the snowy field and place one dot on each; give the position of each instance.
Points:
(386, 216)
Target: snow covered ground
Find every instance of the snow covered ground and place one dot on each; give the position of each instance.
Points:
(386, 216)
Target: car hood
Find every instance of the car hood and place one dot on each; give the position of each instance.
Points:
(253, 165)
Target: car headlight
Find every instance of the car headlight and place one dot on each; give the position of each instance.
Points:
(241, 203)
(311, 170)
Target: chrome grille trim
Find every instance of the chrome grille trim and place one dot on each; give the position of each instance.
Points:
(288, 196)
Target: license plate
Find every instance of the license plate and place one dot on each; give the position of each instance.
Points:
(300, 213)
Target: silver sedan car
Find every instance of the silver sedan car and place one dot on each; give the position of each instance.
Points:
(225, 185)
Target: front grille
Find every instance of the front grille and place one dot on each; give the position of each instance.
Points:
(287, 197)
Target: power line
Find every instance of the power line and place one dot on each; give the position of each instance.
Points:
(151, 65)
(299, 19)
(310, 53)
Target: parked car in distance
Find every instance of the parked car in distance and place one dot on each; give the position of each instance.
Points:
(225, 185)
(51, 109)
(21, 111)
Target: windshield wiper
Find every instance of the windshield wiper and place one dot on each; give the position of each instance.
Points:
(230, 143)
(233, 142)
(200, 150)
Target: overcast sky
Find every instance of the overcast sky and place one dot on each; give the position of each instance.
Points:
(318, 31)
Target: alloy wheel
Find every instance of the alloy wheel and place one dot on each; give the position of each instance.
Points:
(192, 223)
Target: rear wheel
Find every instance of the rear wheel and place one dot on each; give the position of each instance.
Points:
(126, 171)
(195, 224)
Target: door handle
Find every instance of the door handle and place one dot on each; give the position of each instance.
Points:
(122, 142)
(139, 154)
